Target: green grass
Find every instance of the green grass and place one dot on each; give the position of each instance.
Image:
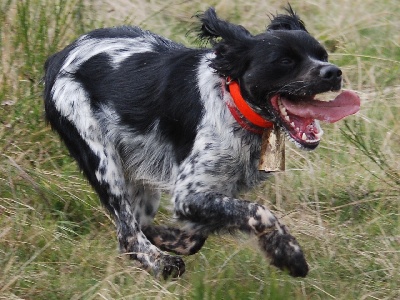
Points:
(341, 201)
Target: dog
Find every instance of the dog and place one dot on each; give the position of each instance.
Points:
(142, 114)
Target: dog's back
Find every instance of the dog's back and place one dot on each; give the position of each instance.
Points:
(86, 85)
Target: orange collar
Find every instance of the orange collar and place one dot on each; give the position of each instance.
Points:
(243, 113)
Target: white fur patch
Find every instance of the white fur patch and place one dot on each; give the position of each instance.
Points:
(117, 48)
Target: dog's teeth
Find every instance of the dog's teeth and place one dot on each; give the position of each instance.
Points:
(292, 124)
(287, 118)
(298, 129)
(304, 137)
(319, 134)
(282, 108)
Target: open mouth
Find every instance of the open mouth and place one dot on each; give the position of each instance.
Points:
(300, 116)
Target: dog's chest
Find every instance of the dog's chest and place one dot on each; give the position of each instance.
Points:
(225, 162)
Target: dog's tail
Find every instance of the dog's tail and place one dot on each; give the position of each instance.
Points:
(51, 68)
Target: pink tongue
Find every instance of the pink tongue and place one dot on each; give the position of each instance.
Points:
(345, 104)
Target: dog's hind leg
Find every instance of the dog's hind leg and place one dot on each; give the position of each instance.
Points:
(100, 162)
(126, 205)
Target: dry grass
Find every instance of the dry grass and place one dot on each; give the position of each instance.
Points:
(56, 242)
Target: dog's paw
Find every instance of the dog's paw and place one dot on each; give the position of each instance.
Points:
(169, 266)
(284, 253)
(174, 240)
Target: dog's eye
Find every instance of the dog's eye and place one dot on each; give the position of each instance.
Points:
(286, 61)
(325, 58)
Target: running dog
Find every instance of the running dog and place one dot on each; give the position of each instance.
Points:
(142, 114)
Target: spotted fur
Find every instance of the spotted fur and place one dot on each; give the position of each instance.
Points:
(142, 114)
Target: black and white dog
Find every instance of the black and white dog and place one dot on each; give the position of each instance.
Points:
(142, 114)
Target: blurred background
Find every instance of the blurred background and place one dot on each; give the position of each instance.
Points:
(341, 201)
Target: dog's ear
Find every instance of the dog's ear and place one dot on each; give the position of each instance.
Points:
(213, 28)
(231, 43)
(290, 21)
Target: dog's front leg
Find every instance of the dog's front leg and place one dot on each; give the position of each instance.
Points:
(212, 212)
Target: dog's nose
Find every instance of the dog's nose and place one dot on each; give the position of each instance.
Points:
(330, 72)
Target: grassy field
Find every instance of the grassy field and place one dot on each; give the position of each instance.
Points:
(342, 201)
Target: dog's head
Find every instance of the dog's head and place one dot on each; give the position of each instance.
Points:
(280, 71)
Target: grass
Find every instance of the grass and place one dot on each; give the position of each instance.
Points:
(341, 201)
